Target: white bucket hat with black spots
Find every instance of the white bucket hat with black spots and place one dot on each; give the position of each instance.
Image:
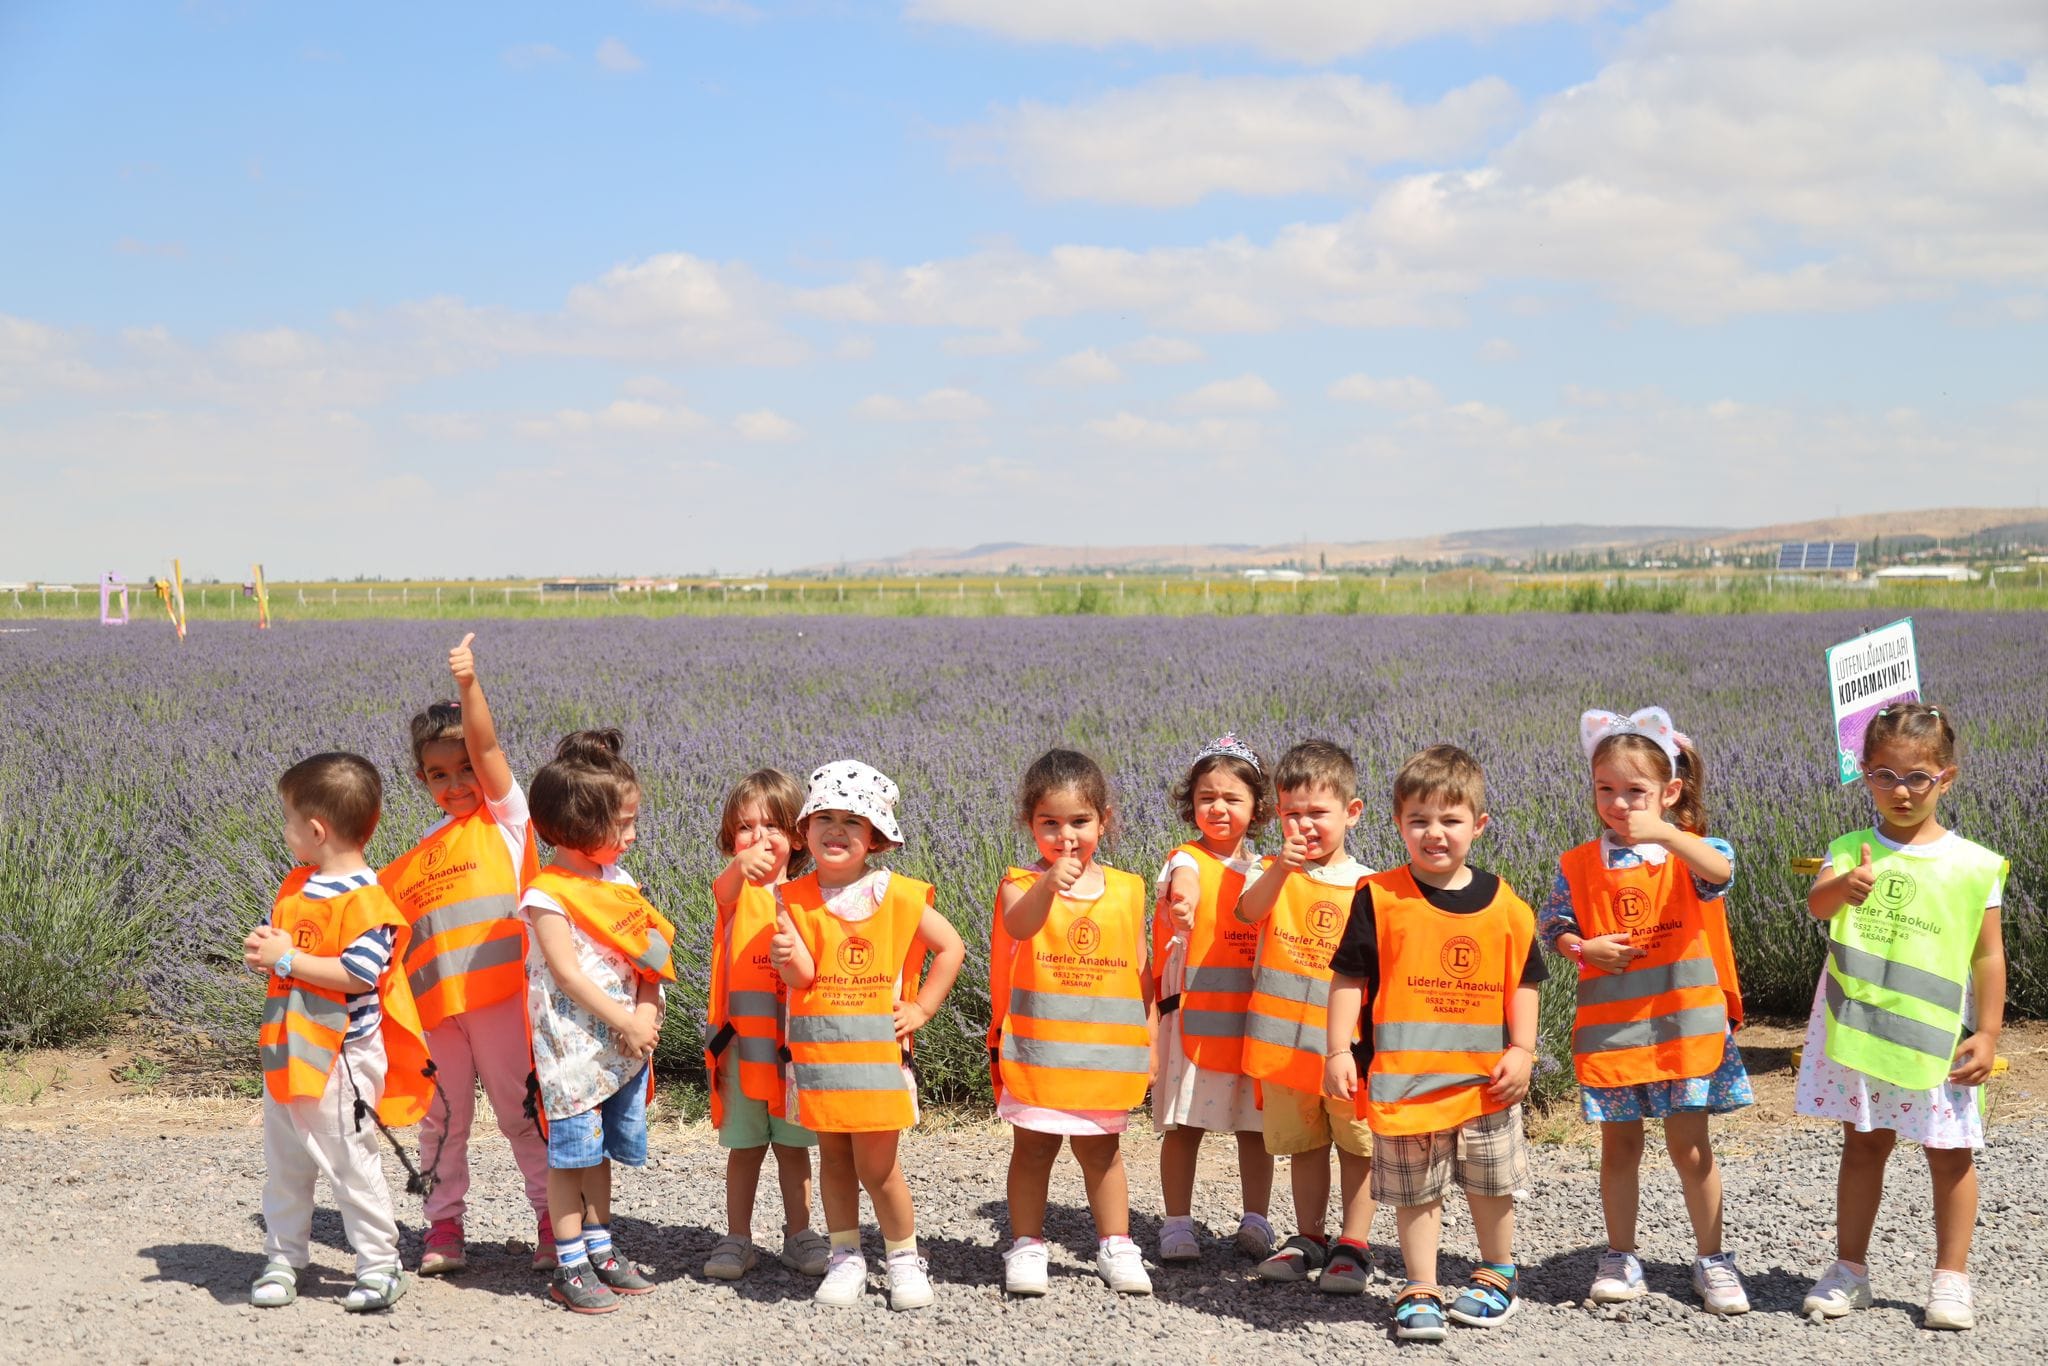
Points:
(850, 785)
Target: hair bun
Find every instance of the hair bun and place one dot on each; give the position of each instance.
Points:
(601, 748)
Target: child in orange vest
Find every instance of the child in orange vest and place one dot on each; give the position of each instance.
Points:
(1069, 1024)
(340, 1035)
(1300, 903)
(600, 959)
(757, 831)
(1444, 957)
(459, 889)
(1203, 958)
(1638, 911)
(850, 943)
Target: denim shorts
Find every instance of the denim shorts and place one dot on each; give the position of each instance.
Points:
(614, 1128)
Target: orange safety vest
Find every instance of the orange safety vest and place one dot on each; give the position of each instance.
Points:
(1666, 1017)
(746, 1002)
(1290, 1003)
(1217, 987)
(1072, 1017)
(842, 1052)
(1440, 1017)
(303, 1025)
(1001, 950)
(460, 893)
(617, 916)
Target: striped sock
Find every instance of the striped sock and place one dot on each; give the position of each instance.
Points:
(569, 1251)
(597, 1241)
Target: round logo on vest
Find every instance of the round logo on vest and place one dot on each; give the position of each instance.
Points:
(1084, 937)
(435, 856)
(1323, 919)
(1893, 888)
(1632, 906)
(857, 955)
(1460, 957)
(306, 935)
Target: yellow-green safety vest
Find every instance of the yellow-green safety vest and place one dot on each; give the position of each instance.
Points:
(1898, 964)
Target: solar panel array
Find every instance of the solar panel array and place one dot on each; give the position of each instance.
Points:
(1817, 555)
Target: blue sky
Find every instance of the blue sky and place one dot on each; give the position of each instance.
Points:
(668, 287)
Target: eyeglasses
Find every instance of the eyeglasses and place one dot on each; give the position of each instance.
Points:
(1916, 782)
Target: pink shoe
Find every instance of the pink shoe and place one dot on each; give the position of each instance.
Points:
(444, 1252)
(544, 1246)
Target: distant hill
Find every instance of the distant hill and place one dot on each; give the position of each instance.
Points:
(1507, 544)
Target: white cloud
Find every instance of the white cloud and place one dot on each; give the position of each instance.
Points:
(526, 56)
(858, 346)
(937, 405)
(1091, 366)
(613, 55)
(1243, 394)
(1007, 341)
(449, 427)
(765, 426)
(647, 386)
(1499, 350)
(716, 9)
(621, 417)
(1402, 392)
(1176, 139)
(1162, 351)
(1132, 431)
(1302, 30)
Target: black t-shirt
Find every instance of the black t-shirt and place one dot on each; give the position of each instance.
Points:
(1358, 951)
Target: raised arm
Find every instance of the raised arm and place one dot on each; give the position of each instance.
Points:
(479, 733)
(1831, 890)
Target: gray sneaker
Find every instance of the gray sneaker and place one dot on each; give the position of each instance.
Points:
(620, 1275)
(1346, 1272)
(576, 1288)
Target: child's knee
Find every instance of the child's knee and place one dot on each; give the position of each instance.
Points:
(1033, 1149)
(1623, 1140)
(1873, 1145)
(1098, 1153)
(1950, 1162)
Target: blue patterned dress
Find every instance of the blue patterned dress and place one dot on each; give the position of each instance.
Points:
(1728, 1087)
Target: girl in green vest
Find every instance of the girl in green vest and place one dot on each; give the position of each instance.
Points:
(1906, 1019)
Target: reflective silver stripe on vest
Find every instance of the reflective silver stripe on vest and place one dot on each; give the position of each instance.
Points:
(1067, 1008)
(1387, 1087)
(1224, 981)
(1903, 978)
(321, 1011)
(1433, 1036)
(754, 1005)
(848, 1076)
(1680, 1024)
(1637, 983)
(475, 911)
(842, 1029)
(1296, 1034)
(1883, 1024)
(491, 953)
(1212, 1024)
(1079, 1057)
(1292, 986)
(758, 1050)
(655, 956)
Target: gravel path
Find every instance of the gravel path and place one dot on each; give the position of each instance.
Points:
(126, 1244)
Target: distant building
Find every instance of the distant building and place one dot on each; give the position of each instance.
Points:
(650, 586)
(578, 586)
(1939, 573)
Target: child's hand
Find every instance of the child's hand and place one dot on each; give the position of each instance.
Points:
(1180, 909)
(639, 1033)
(1064, 871)
(1610, 952)
(264, 946)
(1340, 1076)
(910, 1017)
(1974, 1059)
(782, 947)
(756, 863)
(1510, 1080)
(1294, 851)
(1644, 826)
(1860, 880)
(462, 662)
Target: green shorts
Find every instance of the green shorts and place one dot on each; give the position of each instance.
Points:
(747, 1121)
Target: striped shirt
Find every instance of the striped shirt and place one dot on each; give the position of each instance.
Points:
(367, 959)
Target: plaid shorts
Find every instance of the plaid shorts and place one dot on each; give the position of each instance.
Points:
(1485, 1156)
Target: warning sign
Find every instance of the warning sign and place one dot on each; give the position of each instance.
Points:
(1865, 675)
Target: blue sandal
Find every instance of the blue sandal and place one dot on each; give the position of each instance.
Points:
(1490, 1299)
(1419, 1315)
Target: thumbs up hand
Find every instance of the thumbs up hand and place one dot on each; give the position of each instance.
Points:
(782, 947)
(462, 662)
(1860, 880)
(1294, 850)
(1065, 870)
(757, 863)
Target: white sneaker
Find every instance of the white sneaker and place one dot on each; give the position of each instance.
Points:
(1619, 1279)
(910, 1287)
(1948, 1301)
(1837, 1292)
(1122, 1267)
(1177, 1241)
(846, 1279)
(1719, 1285)
(1024, 1268)
(1255, 1237)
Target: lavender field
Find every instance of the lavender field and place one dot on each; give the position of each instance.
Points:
(138, 826)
